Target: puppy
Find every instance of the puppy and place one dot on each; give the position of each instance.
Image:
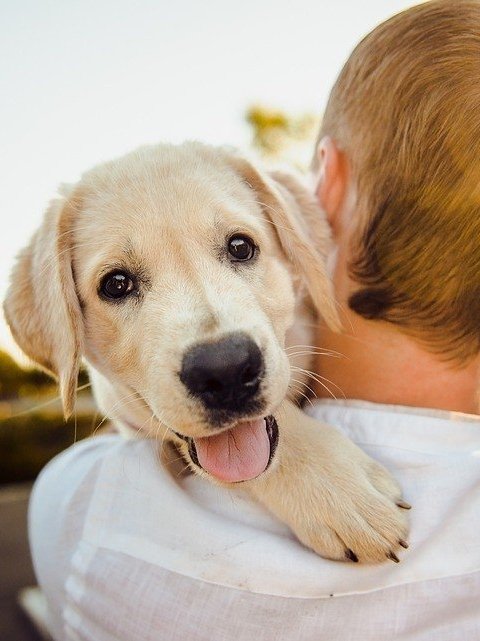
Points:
(179, 274)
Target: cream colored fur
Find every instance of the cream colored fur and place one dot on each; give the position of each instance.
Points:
(165, 212)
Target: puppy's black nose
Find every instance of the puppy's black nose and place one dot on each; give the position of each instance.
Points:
(224, 374)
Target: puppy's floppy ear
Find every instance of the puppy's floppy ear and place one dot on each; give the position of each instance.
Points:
(41, 306)
(301, 230)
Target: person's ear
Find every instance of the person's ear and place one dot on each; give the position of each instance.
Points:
(330, 180)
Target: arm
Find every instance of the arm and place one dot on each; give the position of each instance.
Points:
(336, 499)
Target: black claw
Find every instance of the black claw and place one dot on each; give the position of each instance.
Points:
(350, 554)
(404, 505)
(403, 543)
(393, 557)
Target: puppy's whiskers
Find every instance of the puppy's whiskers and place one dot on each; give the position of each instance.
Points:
(314, 349)
(305, 386)
(40, 406)
(319, 379)
(295, 385)
(128, 399)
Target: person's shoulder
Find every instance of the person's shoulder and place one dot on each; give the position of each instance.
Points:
(84, 455)
(82, 464)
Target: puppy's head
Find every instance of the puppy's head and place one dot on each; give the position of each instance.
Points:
(172, 271)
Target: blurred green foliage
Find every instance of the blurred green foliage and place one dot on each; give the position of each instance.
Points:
(29, 441)
(32, 428)
(16, 382)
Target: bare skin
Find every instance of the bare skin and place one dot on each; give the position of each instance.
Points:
(379, 363)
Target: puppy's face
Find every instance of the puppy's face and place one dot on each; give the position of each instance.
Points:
(171, 271)
(184, 292)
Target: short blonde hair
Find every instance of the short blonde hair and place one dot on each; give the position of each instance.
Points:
(406, 111)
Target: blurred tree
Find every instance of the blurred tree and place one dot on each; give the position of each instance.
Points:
(32, 427)
(16, 382)
(279, 136)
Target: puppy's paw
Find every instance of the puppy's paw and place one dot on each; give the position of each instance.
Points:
(357, 514)
(336, 499)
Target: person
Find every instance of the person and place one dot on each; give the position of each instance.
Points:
(126, 549)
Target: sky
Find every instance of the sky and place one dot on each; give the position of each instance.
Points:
(84, 81)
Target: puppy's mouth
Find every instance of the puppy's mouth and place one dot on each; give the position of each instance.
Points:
(240, 453)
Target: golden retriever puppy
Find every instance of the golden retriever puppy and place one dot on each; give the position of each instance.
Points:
(178, 273)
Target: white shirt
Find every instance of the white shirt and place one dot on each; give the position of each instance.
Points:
(126, 549)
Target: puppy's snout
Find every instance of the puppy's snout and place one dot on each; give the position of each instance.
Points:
(223, 374)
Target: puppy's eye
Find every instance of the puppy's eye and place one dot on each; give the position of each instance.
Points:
(241, 248)
(116, 285)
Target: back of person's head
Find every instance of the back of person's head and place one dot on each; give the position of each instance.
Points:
(406, 112)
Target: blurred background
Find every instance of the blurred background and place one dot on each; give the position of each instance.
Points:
(82, 82)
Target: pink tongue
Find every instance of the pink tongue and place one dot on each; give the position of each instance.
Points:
(238, 454)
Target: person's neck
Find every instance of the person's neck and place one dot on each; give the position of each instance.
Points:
(378, 363)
